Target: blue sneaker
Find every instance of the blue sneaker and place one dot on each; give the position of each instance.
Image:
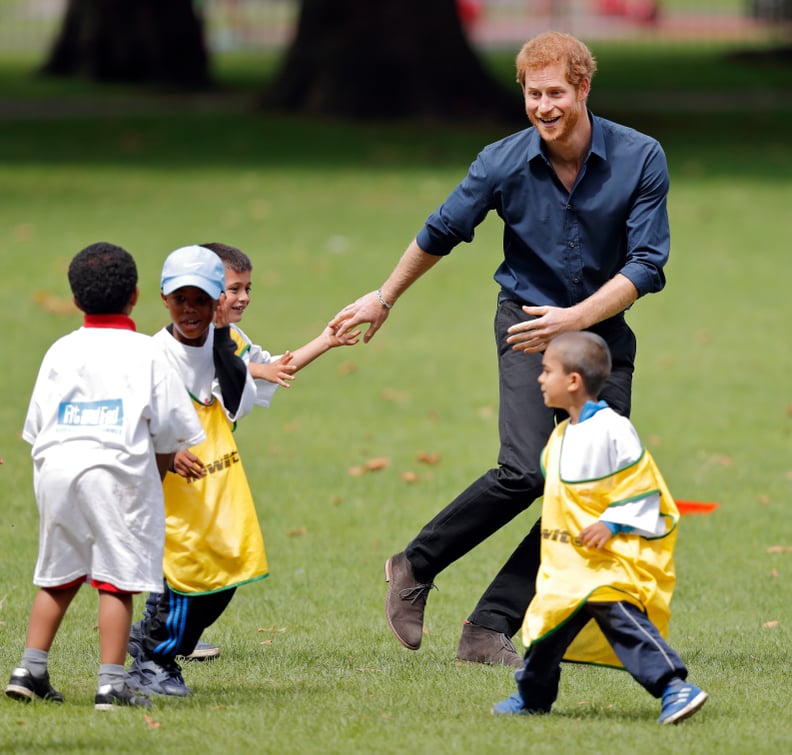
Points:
(149, 678)
(514, 705)
(680, 701)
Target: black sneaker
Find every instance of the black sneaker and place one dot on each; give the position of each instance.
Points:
(25, 687)
(108, 697)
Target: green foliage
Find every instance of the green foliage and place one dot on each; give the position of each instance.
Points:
(324, 209)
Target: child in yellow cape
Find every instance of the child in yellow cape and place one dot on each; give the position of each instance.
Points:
(609, 526)
(213, 539)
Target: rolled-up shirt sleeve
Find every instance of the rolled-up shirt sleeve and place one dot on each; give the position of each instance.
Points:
(648, 233)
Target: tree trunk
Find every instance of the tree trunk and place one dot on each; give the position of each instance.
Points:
(145, 41)
(386, 59)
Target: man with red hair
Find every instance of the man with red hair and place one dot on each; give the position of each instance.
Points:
(583, 205)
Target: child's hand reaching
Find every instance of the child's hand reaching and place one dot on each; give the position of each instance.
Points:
(188, 465)
(222, 317)
(278, 371)
(595, 535)
(348, 339)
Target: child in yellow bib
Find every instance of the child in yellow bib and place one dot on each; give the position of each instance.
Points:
(609, 526)
(213, 541)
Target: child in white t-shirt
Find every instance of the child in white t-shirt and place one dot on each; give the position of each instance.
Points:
(106, 414)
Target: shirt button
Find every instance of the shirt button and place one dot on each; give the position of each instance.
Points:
(571, 244)
(575, 280)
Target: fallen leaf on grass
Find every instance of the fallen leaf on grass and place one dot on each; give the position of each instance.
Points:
(427, 458)
(398, 397)
(150, 722)
(771, 624)
(24, 232)
(774, 573)
(346, 368)
(779, 549)
(297, 532)
(718, 460)
(272, 629)
(372, 465)
(265, 642)
(57, 305)
(409, 477)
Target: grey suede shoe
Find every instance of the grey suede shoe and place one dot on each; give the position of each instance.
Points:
(405, 601)
(481, 645)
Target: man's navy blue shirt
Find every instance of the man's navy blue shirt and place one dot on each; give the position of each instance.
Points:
(559, 246)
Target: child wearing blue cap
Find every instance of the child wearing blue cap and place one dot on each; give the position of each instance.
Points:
(268, 372)
(213, 540)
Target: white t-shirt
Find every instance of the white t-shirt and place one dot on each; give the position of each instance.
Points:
(104, 402)
(598, 447)
(195, 366)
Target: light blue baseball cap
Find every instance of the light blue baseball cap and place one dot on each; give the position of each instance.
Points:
(193, 266)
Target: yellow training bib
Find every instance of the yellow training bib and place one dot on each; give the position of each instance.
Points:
(213, 539)
(630, 567)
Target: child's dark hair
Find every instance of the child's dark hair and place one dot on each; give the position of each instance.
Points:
(234, 258)
(103, 278)
(587, 354)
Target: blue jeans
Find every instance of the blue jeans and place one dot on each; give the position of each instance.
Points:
(525, 424)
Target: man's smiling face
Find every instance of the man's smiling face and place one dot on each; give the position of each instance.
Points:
(552, 104)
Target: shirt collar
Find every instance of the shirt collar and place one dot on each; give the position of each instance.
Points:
(119, 322)
(590, 408)
(536, 145)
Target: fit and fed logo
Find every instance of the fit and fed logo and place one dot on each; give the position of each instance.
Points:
(108, 413)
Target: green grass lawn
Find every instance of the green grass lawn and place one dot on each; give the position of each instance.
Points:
(324, 209)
